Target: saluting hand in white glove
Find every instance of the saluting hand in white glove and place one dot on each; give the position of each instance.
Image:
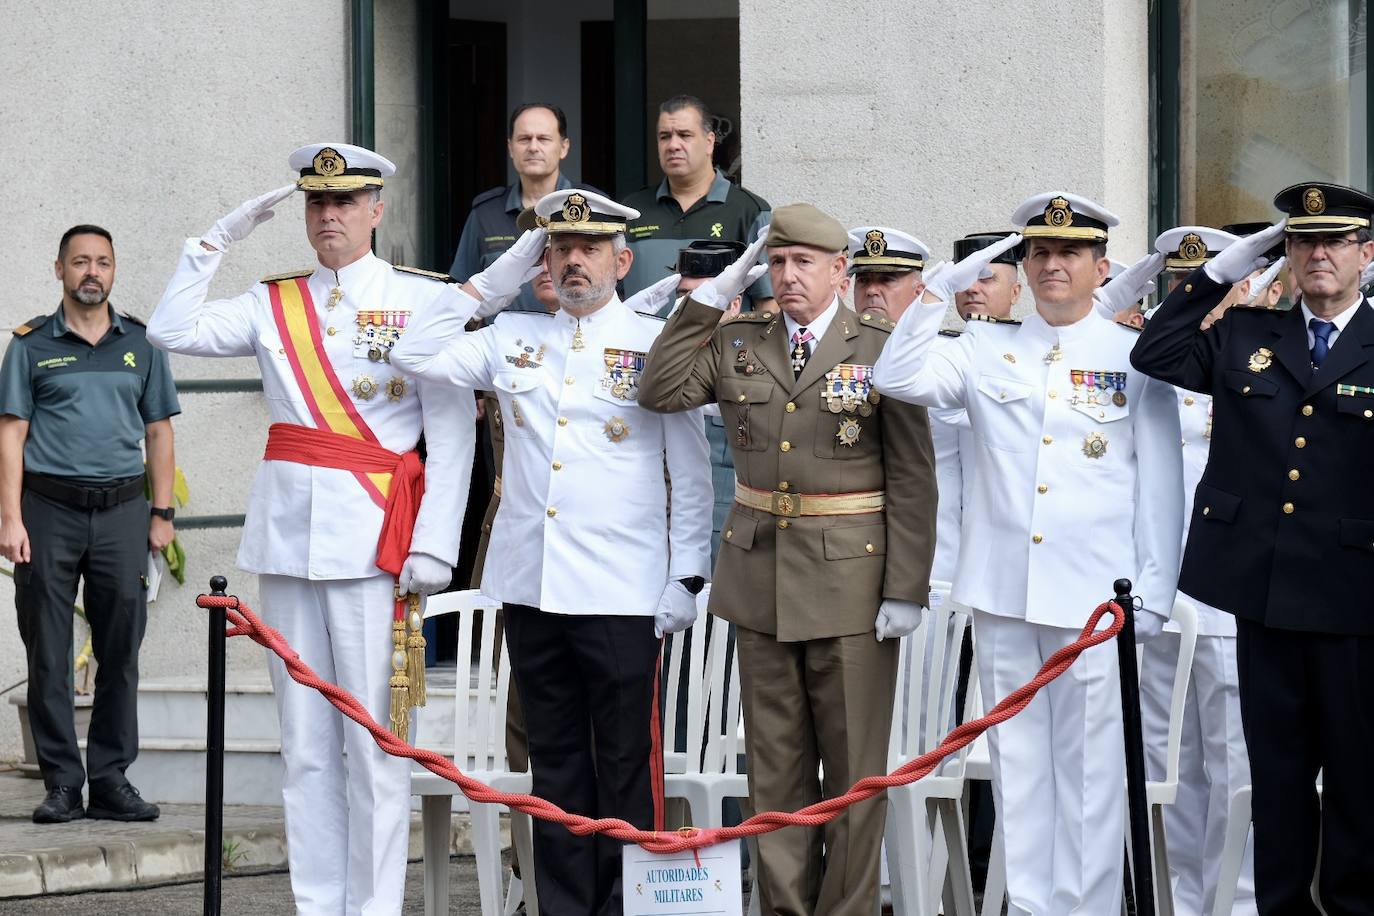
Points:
(1133, 284)
(1244, 256)
(946, 279)
(652, 299)
(423, 574)
(721, 290)
(519, 264)
(239, 224)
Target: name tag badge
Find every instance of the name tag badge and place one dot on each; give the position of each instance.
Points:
(683, 883)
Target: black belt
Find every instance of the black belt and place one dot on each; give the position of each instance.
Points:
(84, 497)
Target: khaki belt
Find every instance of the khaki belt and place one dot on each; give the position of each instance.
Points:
(795, 505)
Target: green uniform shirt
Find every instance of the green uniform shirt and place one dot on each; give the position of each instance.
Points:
(728, 212)
(87, 406)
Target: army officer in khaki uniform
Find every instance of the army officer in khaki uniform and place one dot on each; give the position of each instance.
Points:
(832, 480)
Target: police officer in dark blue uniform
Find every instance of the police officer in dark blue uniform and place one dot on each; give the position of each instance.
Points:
(1282, 533)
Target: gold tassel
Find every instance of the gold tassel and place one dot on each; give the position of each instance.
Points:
(415, 652)
(400, 684)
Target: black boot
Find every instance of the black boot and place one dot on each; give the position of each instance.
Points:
(121, 803)
(61, 805)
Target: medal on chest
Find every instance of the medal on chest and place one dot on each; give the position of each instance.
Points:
(377, 332)
(623, 368)
(849, 388)
(1091, 387)
(525, 355)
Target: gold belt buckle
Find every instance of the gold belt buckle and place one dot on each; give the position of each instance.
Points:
(788, 505)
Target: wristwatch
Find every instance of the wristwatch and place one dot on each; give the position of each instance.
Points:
(693, 584)
(169, 513)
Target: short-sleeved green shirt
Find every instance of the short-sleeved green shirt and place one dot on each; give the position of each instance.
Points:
(87, 406)
(728, 212)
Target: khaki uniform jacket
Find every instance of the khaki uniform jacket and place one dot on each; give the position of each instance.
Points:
(813, 577)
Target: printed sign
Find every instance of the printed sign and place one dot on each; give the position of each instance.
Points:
(704, 884)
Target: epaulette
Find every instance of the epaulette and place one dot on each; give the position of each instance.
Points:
(134, 318)
(32, 324)
(289, 275)
(1257, 308)
(651, 316)
(992, 319)
(946, 332)
(871, 320)
(431, 274)
(751, 316)
(1129, 327)
(489, 194)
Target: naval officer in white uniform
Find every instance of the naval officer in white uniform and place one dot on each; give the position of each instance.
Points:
(312, 534)
(1077, 482)
(592, 556)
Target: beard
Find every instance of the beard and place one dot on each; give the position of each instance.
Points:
(579, 297)
(94, 294)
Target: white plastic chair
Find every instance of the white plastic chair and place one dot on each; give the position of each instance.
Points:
(927, 850)
(978, 765)
(1238, 824)
(479, 750)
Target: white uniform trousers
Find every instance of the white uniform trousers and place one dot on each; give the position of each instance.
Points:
(347, 820)
(1058, 770)
(1212, 764)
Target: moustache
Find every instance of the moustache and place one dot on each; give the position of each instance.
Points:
(570, 272)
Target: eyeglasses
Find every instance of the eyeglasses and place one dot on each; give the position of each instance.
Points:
(1307, 245)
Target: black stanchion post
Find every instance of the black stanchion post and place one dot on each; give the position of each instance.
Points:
(1137, 804)
(214, 752)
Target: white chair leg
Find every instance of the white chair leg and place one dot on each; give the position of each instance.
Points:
(1159, 865)
(515, 892)
(436, 823)
(902, 865)
(995, 891)
(1232, 852)
(486, 846)
(522, 835)
(958, 877)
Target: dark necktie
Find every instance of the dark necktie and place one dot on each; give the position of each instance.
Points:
(801, 350)
(1321, 336)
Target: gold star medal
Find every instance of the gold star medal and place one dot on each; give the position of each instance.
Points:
(364, 388)
(848, 433)
(1261, 359)
(1095, 445)
(396, 388)
(616, 429)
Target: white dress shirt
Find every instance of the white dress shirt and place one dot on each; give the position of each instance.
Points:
(1340, 321)
(585, 525)
(817, 327)
(1048, 527)
(312, 522)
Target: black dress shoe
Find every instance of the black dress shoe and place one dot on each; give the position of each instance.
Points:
(121, 803)
(61, 805)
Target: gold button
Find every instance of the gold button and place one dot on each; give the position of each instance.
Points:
(786, 446)
(1368, 414)
(783, 524)
(791, 407)
(1245, 390)
(332, 331)
(784, 486)
(562, 421)
(1293, 474)
(1307, 410)
(1188, 401)
(1206, 510)
(1042, 489)
(558, 465)
(868, 547)
(551, 512)
(1187, 287)
(1036, 538)
(568, 380)
(1053, 394)
(1047, 440)
(1287, 508)
(741, 399)
(729, 532)
(1300, 442)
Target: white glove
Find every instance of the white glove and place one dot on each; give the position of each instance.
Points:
(1148, 624)
(720, 291)
(1243, 257)
(1366, 275)
(677, 610)
(652, 299)
(238, 225)
(423, 574)
(1131, 285)
(897, 618)
(946, 279)
(519, 264)
(1260, 285)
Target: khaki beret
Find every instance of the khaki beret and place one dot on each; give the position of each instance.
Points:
(803, 224)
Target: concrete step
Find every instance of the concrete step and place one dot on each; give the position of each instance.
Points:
(176, 709)
(172, 771)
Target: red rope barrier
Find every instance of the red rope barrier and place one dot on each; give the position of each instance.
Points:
(246, 623)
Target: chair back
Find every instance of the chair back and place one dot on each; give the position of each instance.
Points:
(481, 690)
(682, 678)
(1185, 615)
(927, 682)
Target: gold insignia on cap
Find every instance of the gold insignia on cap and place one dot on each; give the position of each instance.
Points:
(1059, 214)
(1192, 247)
(874, 243)
(1095, 445)
(542, 222)
(617, 429)
(575, 208)
(329, 163)
(1313, 200)
(1261, 359)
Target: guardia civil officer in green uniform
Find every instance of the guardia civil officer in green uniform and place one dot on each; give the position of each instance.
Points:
(833, 481)
(79, 389)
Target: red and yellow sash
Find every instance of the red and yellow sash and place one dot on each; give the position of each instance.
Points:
(329, 405)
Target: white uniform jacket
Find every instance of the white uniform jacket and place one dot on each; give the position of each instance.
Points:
(319, 523)
(1067, 495)
(953, 440)
(1195, 423)
(584, 525)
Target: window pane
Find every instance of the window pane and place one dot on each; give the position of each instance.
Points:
(1272, 92)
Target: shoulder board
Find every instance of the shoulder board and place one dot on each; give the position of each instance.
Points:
(658, 318)
(756, 317)
(990, 319)
(134, 318)
(489, 194)
(431, 274)
(1256, 308)
(289, 275)
(32, 324)
(519, 313)
(946, 332)
(1129, 327)
(870, 320)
